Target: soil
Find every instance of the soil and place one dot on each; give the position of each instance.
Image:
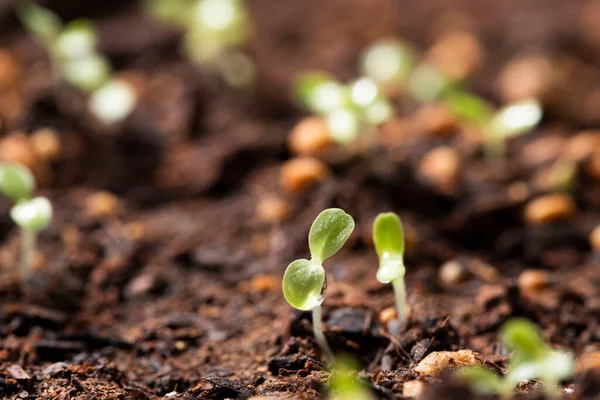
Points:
(178, 294)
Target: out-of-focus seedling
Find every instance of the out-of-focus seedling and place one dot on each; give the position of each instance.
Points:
(344, 385)
(389, 62)
(304, 282)
(349, 110)
(531, 359)
(388, 236)
(75, 58)
(215, 31)
(512, 120)
(31, 215)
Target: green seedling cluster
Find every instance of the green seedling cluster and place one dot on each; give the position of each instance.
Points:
(349, 110)
(531, 359)
(215, 31)
(304, 282)
(393, 66)
(73, 50)
(388, 237)
(31, 214)
(344, 384)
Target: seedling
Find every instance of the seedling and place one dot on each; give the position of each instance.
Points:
(349, 110)
(304, 282)
(344, 384)
(31, 215)
(73, 51)
(531, 359)
(389, 62)
(215, 31)
(388, 236)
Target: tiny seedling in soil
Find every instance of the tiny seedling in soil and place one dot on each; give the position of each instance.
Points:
(304, 282)
(344, 384)
(31, 215)
(349, 110)
(388, 236)
(72, 48)
(215, 31)
(531, 359)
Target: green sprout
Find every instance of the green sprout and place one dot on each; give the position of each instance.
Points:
(215, 31)
(389, 62)
(531, 359)
(344, 385)
(388, 236)
(349, 110)
(31, 215)
(304, 282)
(73, 51)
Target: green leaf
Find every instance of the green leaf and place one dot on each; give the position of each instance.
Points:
(344, 384)
(78, 39)
(34, 214)
(523, 338)
(39, 21)
(16, 181)
(328, 233)
(468, 107)
(303, 284)
(320, 92)
(388, 236)
(427, 83)
(388, 61)
(516, 119)
(482, 380)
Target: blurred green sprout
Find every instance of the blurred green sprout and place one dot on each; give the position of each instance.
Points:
(348, 110)
(73, 50)
(215, 31)
(304, 282)
(344, 385)
(388, 236)
(388, 62)
(31, 214)
(531, 359)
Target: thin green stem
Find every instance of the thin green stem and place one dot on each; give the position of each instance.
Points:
(317, 322)
(400, 293)
(28, 240)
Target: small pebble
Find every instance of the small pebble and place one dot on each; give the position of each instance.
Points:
(309, 137)
(531, 280)
(524, 78)
(102, 205)
(588, 362)
(441, 166)
(595, 238)
(265, 283)
(413, 389)
(582, 145)
(9, 70)
(438, 361)
(457, 53)
(272, 209)
(549, 208)
(451, 273)
(387, 315)
(16, 147)
(46, 144)
(299, 173)
(436, 120)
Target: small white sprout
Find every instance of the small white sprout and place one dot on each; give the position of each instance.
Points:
(517, 118)
(363, 92)
(76, 41)
(217, 14)
(326, 97)
(343, 125)
(87, 73)
(113, 102)
(388, 60)
(34, 214)
(379, 111)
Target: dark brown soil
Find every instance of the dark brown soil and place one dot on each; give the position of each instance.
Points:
(193, 304)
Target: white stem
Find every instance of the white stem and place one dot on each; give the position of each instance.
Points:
(400, 293)
(28, 239)
(317, 323)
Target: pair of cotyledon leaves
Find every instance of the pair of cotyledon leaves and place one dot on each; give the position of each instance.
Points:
(304, 280)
